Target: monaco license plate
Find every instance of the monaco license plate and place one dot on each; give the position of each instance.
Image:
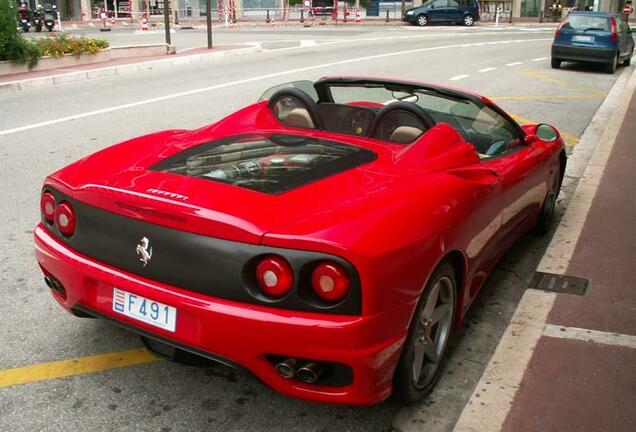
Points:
(582, 38)
(145, 310)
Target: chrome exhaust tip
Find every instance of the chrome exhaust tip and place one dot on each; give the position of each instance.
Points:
(47, 281)
(287, 368)
(309, 373)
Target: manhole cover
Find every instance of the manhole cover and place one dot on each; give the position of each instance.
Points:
(559, 283)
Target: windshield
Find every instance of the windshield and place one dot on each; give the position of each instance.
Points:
(587, 23)
(271, 164)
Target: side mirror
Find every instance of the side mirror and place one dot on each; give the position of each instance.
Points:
(543, 132)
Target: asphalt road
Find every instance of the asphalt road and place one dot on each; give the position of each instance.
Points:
(66, 122)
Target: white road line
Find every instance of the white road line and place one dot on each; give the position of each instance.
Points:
(230, 84)
(539, 59)
(459, 77)
(557, 331)
(488, 69)
(514, 64)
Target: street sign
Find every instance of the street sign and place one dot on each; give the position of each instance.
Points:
(307, 3)
(628, 9)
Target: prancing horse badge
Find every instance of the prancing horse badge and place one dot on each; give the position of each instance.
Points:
(144, 250)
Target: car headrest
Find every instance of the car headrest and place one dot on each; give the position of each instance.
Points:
(401, 114)
(405, 134)
(293, 107)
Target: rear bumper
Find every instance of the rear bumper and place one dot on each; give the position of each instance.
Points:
(582, 53)
(243, 334)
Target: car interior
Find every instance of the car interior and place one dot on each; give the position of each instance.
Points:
(400, 121)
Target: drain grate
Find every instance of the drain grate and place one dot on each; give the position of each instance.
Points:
(559, 283)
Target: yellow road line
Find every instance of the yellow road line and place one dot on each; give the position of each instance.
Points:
(76, 366)
(542, 77)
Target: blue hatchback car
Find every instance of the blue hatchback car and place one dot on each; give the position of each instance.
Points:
(437, 11)
(597, 37)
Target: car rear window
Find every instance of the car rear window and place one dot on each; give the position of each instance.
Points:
(271, 164)
(587, 23)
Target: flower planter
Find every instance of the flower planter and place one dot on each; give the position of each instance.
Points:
(70, 60)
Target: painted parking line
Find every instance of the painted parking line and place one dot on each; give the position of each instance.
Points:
(488, 69)
(458, 77)
(76, 366)
(539, 59)
(514, 64)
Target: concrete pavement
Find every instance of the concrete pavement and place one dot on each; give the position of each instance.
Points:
(42, 130)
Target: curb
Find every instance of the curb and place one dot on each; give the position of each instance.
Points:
(488, 410)
(33, 83)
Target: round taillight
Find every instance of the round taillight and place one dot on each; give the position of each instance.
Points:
(274, 276)
(47, 205)
(65, 219)
(330, 281)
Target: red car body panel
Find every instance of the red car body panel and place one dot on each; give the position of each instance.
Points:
(374, 216)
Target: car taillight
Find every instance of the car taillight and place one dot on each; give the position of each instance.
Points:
(330, 281)
(274, 276)
(613, 29)
(47, 206)
(65, 218)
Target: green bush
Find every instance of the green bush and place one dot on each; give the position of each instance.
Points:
(58, 45)
(12, 45)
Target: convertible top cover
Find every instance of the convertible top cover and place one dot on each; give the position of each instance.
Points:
(271, 164)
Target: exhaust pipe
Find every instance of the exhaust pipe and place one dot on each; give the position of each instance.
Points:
(287, 368)
(309, 373)
(47, 281)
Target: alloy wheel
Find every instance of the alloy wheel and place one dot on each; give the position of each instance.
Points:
(468, 20)
(432, 331)
(422, 20)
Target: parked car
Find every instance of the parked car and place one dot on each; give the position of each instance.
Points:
(327, 238)
(595, 37)
(439, 11)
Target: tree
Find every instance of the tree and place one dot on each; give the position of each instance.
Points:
(12, 45)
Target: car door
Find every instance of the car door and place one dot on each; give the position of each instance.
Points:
(523, 172)
(500, 144)
(438, 11)
(454, 12)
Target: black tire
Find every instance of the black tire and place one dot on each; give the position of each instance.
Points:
(628, 60)
(421, 20)
(468, 20)
(556, 63)
(546, 215)
(610, 68)
(411, 386)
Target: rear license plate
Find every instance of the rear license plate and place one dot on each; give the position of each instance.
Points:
(582, 38)
(143, 309)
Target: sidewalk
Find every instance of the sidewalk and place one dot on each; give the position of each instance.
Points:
(585, 380)
(567, 361)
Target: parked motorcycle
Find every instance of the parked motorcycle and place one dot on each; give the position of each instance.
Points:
(38, 19)
(24, 18)
(50, 14)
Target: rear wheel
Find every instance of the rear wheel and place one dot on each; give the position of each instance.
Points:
(422, 20)
(611, 67)
(468, 20)
(628, 60)
(556, 63)
(425, 347)
(546, 216)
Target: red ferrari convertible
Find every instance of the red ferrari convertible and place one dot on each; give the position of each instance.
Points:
(327, 238)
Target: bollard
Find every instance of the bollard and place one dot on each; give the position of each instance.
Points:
(541, 17)
(267, 19)
(345, 13)
(387, 15)
(176, 18)
(302, 16)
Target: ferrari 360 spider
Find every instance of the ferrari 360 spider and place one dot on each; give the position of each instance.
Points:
(328, 238)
